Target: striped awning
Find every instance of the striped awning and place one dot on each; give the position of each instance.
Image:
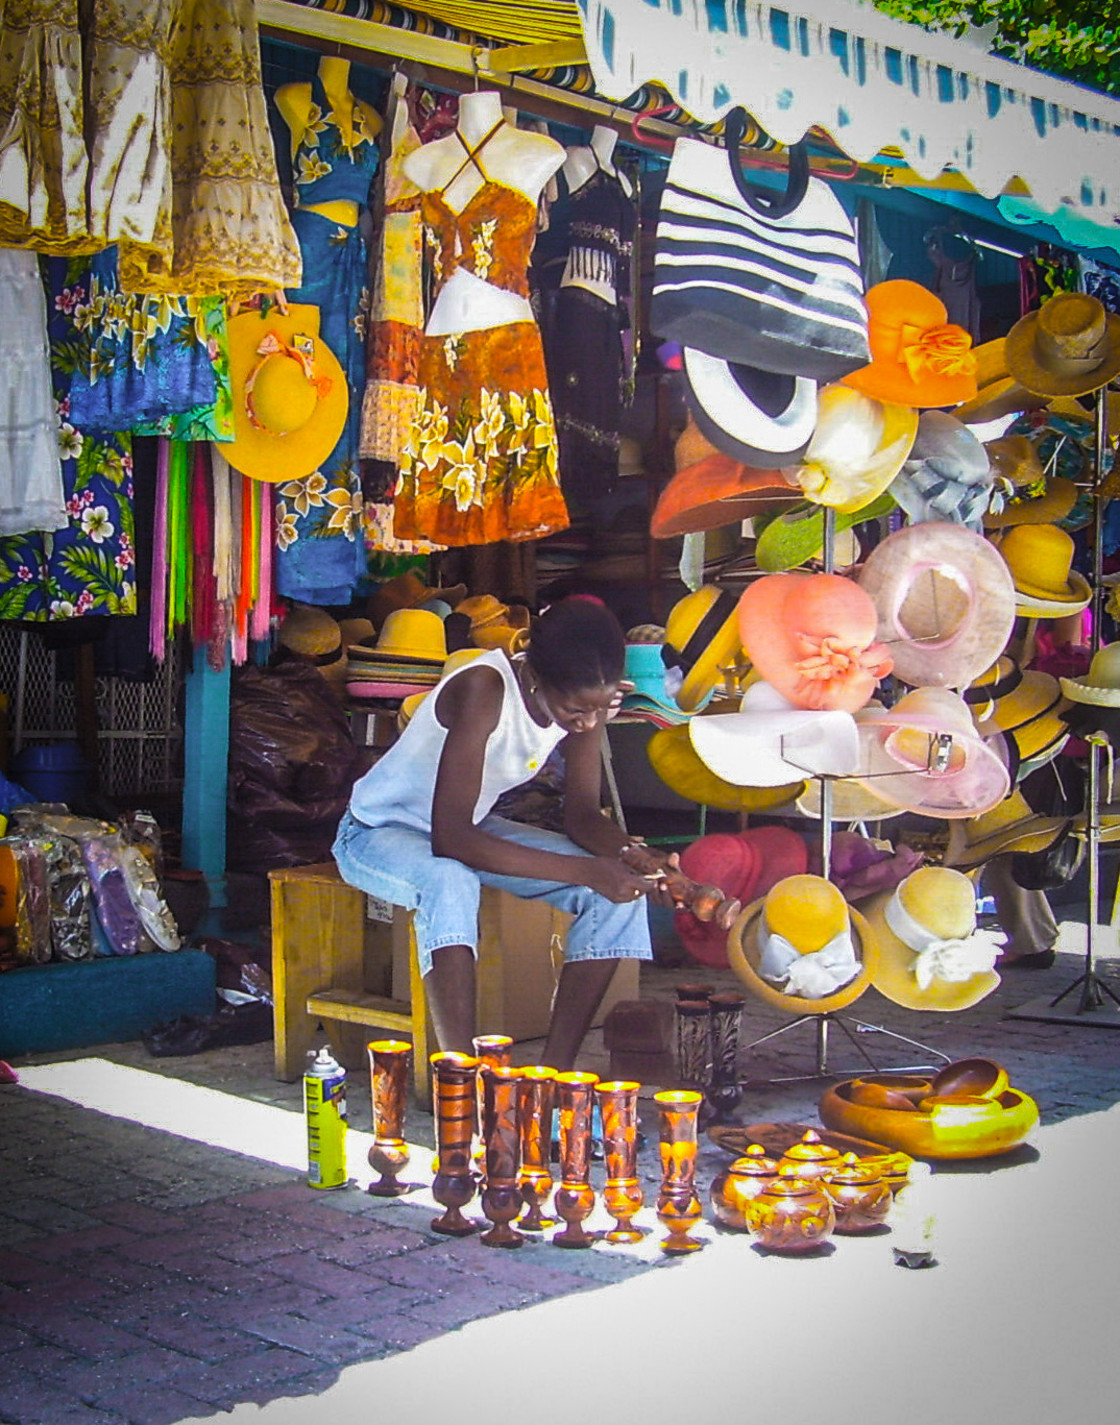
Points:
(874, 84)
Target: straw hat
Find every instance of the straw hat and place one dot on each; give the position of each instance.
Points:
(851, 801)
(795, 535)
(407, 591)
(857, 449)
(702, 638)
(1069, 347)
(1031, 497)
(945, 602)
(812, 637)
(946, 476)
(1029, 715)
(313, 636)
(743, 865)
(711, 489)
(407, 658)
(759, 417)
(809, 915)
(917, 357)
(1040, 557)
(1008, 826)
(675, 760)
(771, 742)
(289, 394)
(1101, 686)
(926, 756)
(931, 955)
(997, 391)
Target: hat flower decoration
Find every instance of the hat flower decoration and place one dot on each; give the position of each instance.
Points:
(812, 636)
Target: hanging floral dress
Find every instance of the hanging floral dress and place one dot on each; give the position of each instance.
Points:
(320, 548)
(480, 461)
(89, 567)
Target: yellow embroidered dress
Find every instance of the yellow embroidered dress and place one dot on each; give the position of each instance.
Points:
(479, 463)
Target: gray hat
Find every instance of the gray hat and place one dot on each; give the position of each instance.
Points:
(947, 475)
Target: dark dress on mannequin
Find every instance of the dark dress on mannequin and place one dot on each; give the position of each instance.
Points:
(590, 237)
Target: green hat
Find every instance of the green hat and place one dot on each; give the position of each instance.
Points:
(794, 536)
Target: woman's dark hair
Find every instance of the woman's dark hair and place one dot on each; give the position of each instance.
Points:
(577, 643)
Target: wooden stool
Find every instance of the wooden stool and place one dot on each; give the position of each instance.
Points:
(321, 969)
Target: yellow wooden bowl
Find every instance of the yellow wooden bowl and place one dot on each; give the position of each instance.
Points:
(945, 1126)
(743, 957)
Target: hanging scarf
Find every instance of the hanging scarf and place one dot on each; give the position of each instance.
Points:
(157, 627)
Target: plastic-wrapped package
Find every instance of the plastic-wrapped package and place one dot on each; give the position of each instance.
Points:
(33, 906)
(141, 829)
(69, 890)
(143, 889)
(120, 920)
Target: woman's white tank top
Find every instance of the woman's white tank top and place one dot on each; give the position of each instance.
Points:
(398, 789)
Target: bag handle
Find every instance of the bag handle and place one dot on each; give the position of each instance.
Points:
(765, 203)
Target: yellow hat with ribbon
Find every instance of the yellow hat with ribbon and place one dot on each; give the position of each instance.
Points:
(289, 394)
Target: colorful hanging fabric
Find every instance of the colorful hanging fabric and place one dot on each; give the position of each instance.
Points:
(158, 617)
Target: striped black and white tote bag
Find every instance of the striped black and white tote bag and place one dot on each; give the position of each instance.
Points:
(767, 279)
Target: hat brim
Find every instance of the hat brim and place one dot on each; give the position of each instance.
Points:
(675, 760)
(978, 785)
(261, 454)
(717, 491)
(1050, 507)
(1078, 690)
(795, 536)
(1031, 833)
(1005, 397)
(970, 650)
(1025, 367)
(743, 957)
(894, 976)
(758, 417)
(851, 802)
(892, 383)
(767, 749)
(1033, 601)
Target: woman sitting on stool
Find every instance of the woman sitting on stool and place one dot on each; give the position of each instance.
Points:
(419, 831)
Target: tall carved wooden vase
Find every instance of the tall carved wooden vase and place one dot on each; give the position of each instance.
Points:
(575, 1197)
(501, 1195)
(678, 1207)
(622, 1193)
(390, 1061)
(455, 1089)
(536, 1090)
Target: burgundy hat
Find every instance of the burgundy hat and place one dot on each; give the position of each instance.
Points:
(745, 866)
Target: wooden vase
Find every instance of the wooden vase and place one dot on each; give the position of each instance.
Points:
(390, 1062)
(501, 1196)
(724, 1092)
(493, 1051)
(622, 1193)
(455, 1089)
(536, 1090)
(678, 1207)
(574, 1198)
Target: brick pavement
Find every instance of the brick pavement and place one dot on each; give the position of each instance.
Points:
(146, 1278)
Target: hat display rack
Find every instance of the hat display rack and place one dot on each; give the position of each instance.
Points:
(823, 1020)
(1097, 1005)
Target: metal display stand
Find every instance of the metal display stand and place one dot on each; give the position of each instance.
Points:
(823, 1022)
(1097, 1005)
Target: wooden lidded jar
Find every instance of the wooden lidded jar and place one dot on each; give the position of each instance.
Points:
(861, 1196)
(810, 1157)
(792, 1214)
(734, 1189)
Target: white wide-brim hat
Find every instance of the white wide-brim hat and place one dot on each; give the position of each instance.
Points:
(758, 417)
(770, 742)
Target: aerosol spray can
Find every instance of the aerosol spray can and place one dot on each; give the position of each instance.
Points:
(324, 1105)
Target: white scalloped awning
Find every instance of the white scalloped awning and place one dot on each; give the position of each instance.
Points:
(873, 83)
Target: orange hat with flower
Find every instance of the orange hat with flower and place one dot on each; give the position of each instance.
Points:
(812, 636)
(918, 357)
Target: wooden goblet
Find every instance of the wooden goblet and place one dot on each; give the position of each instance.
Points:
(390, 1061)
(455, 1078)
(622, 1193)
(575, 1197)
(678, 1207)
(535, 1093)
(501, 1196)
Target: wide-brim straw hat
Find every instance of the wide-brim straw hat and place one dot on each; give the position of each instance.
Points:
(906, 760)
(943, 891)
(1040, 558)
(945, 602)
(702, 638)
(1068, 347)
(918, 358)
(796, 535)
(1011, 825)
(408, 590)
(858, 447)
(997, 391)
(1100, 687)
(758, 417)
(311, 634)
(852, 801)
(290, 395)
(770, 743)
(744, 955)
(675, 760)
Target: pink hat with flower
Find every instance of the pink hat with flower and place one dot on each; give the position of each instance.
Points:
(812, 636)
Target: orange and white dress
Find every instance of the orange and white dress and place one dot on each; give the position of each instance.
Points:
(479, 463)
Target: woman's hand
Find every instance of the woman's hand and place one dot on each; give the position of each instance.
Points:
(608, 876)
